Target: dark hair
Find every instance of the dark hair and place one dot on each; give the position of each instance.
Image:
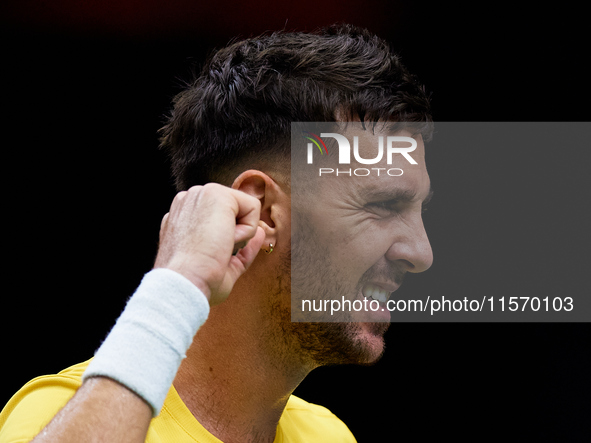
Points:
(238, 111)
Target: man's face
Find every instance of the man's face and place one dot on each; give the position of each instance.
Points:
(356, 237)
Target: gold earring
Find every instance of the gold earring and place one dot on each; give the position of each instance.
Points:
(268, 251)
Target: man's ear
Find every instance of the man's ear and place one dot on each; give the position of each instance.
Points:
(267, 191)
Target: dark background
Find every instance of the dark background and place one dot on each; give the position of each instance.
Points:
(85, 85)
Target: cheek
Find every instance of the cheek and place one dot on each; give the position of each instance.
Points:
(347, 242)
(355, 253)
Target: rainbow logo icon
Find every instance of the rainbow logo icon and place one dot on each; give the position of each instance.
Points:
(315, 139)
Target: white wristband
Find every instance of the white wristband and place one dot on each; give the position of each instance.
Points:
(144, 349)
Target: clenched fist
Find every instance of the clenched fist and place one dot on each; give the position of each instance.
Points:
(198, 235)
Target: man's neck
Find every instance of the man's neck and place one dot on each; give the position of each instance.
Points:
(233, 382)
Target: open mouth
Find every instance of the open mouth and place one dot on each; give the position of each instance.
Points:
(374, 292)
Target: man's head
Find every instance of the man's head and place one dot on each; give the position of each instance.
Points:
(236, 114)
(356, 231)
(232, 125)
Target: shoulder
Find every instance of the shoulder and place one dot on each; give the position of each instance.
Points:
(37, 402)
(310, 422)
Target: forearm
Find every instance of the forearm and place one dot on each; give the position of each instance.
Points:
(102, 410)
(126, 383)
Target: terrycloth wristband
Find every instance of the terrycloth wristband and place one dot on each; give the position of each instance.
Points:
(144, 349)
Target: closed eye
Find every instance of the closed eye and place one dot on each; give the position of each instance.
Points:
(390, 203)
(384, 207)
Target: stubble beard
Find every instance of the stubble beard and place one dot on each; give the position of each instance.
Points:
(318, 343)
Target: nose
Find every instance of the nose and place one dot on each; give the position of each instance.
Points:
(412, 248)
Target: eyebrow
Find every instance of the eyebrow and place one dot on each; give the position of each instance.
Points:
(399, 194)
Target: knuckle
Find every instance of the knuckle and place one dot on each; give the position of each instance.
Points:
(164, 220)
(194, 190)
(181, 195)
(212, 188)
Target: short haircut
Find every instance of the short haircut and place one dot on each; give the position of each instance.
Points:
(237, 113)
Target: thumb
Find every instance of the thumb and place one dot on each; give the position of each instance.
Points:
(247, 254)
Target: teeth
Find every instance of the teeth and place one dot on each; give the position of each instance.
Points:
(375, 292)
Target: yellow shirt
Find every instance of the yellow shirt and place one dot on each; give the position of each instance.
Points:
(36, 403)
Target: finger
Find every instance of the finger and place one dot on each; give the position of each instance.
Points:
(164, 221)
(247, 254)
(176, 204)
(180, 196)
(243, 233)
(238, 246)
(249, 210)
